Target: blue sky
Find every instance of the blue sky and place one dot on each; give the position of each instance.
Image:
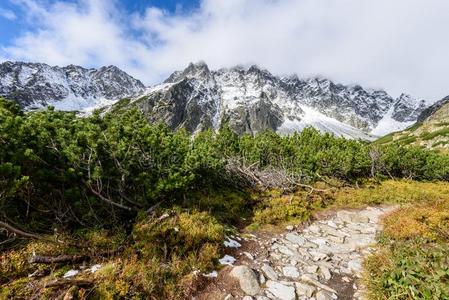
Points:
(400, 45)
(13, 25)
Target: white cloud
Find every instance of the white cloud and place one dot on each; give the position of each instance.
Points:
(399, 45)
(7, 14)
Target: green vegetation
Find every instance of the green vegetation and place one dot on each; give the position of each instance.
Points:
(412, 261)
(385, 139)
(430, 135)
(153, 206)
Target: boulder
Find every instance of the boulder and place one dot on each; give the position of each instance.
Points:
(247, 280)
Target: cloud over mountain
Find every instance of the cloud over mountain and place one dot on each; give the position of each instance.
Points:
(397, 45)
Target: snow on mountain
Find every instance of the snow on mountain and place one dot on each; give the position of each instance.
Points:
(250, 100)
(35, 85)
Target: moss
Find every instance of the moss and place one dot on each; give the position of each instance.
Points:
(226, 205)
(16, 289)
(177, 232)
(276, 208)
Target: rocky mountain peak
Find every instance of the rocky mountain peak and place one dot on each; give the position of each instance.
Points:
(198, 70)
(251, 99)
(35, 85)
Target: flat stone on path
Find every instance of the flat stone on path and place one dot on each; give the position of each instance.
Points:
(295, 239)
(269, 272)
(281, 291)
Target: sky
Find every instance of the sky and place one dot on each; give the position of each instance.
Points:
(400, 45)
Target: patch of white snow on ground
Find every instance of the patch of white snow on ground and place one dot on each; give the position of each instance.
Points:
(313, 118)
(70, 273)
(232, 243)
(227, 260)
(213, 274)
(387, 124)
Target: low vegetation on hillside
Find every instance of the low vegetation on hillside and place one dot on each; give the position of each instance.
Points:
(153, 206)
(411, 261)
(431, 133)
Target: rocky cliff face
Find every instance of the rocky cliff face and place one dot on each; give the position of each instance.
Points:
(251, 99)
(35, 85)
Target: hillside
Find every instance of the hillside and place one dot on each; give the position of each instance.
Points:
(431, 130)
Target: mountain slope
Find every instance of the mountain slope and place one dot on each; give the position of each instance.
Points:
(251, 99)
(431, 130)
(35, 85)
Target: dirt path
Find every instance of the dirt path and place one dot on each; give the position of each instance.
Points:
(321, 261)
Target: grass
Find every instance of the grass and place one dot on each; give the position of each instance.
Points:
(411, 261)
(385, 139)
(430, 135)
(414, 127)
(391, 192)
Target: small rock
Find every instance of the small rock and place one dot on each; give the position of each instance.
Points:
(281, 291)
(316, 256)
(229, 297)
(356, 218)
(247, 298)
(262, 278)
(269, 272)
(303, 289)
(323, 295)
(285, 250)
(295, 239)
(344, 216)
(311, 269)
(325, 272)
(247, 279)
(355, 266)
(249, 255)
(289, 227)
(308, 279)
(290, 271)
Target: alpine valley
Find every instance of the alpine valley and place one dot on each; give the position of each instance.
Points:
(248, 100)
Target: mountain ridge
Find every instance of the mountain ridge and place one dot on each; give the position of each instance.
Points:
(249, 99)
(242, 97)
(37, 85)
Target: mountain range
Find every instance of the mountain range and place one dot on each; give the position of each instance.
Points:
(248, 99)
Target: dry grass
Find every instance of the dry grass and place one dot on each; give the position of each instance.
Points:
(411, 261)
(392, 192)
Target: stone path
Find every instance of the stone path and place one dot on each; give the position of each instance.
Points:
(321, 262)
